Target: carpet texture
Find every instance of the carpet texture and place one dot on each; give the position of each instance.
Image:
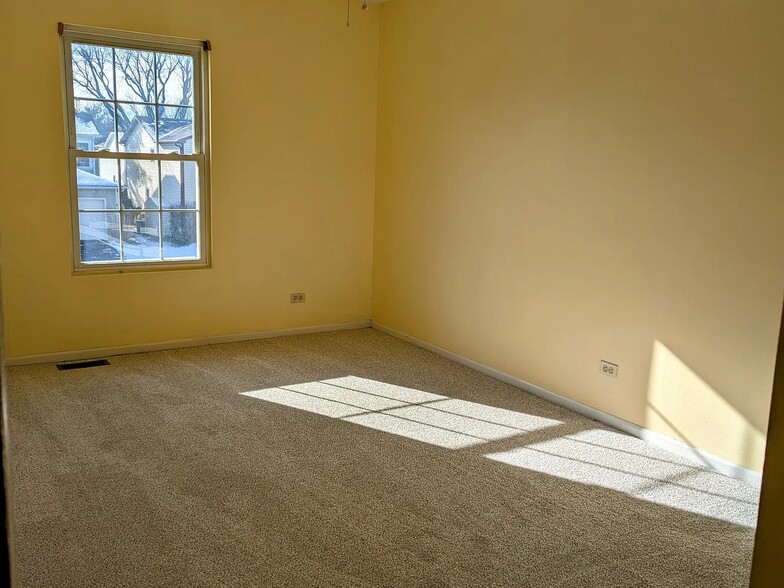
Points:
(347, 459)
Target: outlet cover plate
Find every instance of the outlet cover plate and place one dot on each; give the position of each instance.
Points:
(608, 369)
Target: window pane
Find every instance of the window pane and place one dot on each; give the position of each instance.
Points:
(99, 236)
(130, 99)
(175, 129)
(96, 184)
(135, 72)
(139, 185)
(179, 235)
(136, 126)
(94, 124)
(180, 182)
(175, 79)
(93, 71)
(141, 235)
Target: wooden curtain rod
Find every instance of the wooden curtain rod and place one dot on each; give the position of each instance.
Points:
(206, 43)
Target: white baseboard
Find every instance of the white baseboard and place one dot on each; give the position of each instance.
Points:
(99, 352)
(673, 445)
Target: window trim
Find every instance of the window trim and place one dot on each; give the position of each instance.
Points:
(200, 51)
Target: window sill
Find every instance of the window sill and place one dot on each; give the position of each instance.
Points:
(141, 267)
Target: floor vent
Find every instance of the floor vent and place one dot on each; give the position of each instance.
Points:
(77, 365)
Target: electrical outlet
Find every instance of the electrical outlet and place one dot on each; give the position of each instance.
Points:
(297, 297)
(608, 369)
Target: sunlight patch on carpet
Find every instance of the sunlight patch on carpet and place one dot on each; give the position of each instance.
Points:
(601, 458)
(594, 457)
(431, 418)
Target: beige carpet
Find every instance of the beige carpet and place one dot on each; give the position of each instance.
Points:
(347, 459)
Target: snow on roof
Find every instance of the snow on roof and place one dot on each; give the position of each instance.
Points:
(86, 127)
(138, 121)
(107, 143)
(178, 135)
(172, 130)
(85, 179)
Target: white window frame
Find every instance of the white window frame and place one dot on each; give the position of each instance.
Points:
(199, 50)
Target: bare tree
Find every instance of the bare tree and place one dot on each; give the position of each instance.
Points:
(137, 76)
(93, 73)
(179, 67)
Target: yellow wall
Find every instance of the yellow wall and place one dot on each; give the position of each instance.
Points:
(294, 116)
(556, 183)
(564, 182)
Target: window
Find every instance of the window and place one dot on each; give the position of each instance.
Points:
(137, 117)
(84, 162)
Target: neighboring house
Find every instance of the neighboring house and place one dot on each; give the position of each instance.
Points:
(95, 192)
(140, 179)
(98, 231)
(87, 137)
(178, 178)
(178, 140)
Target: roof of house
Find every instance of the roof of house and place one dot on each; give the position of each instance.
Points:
(86, 127)
(138, 121)
(85, 179)
(179, 134)
(170, 125)
(172, 130)
(107, 143)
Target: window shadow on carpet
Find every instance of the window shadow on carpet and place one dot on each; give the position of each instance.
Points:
(596, 457)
